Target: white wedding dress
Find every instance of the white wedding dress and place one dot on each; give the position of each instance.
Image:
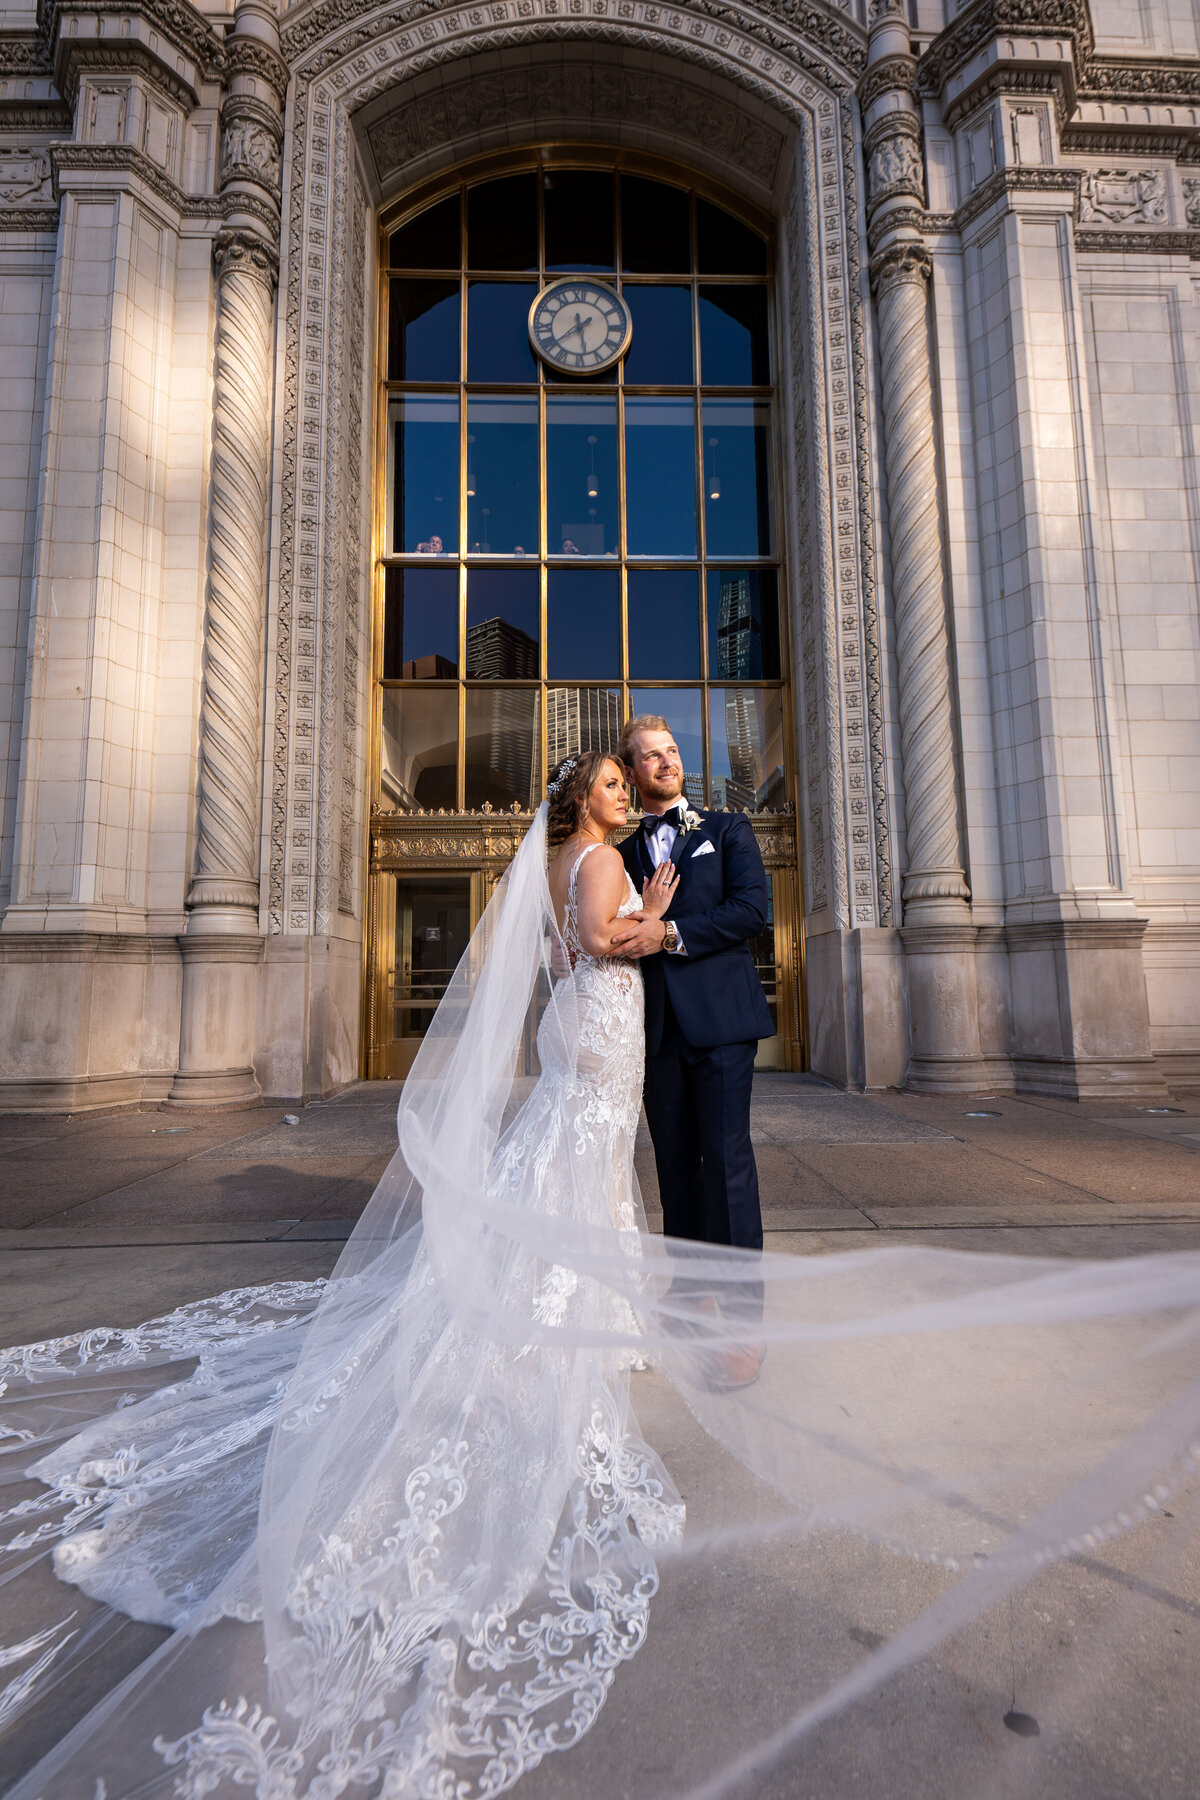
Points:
(402, 1527)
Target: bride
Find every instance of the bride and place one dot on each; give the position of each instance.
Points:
(402, 1527)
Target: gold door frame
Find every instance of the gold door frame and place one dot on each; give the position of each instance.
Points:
(482, 843)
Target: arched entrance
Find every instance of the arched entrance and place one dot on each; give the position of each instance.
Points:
(558, 548)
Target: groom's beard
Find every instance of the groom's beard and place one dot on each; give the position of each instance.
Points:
(664, 787)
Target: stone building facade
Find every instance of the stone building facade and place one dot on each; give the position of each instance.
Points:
(985, 243)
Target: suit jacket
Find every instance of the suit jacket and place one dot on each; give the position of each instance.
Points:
(721, 903)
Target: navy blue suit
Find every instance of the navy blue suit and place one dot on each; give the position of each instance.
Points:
(705, 1012)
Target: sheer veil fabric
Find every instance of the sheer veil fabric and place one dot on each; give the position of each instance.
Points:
(401, 1527)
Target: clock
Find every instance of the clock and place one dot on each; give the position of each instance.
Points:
(581, 327)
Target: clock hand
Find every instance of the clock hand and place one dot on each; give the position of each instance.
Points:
(576, 330)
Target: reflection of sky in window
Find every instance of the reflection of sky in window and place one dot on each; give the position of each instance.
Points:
(498, 346)
(420, 624)
(737, 506)
(423, 331)
(583, 624)
(502, 513)
(733, 337)
(664, 621)
(680, 707)
(582, 517)
(660, 477)
(660, 353)
(424, 446)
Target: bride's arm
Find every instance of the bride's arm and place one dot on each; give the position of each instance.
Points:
(601, 890)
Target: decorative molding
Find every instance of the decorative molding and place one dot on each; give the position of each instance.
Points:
(793, 27)
(1016, 181)
(245, 252)
(184, 27)
(1148, 83)
(49, 116)
(251, 144)
(110, 56)
(891, 74)
(491, 839)
(1052, 84)
(24, 53)
(119, 159)
(976, 24)
(1191, 200)
(1123, 196)
(247, 56)
(29, 218)
(1142, 243)
(895, 166)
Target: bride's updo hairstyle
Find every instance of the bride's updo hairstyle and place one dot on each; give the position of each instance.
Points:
(570, 783)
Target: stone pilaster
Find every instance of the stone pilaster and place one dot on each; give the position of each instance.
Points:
(223, 945)
(938, 934)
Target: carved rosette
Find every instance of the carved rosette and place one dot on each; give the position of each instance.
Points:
(934, 864)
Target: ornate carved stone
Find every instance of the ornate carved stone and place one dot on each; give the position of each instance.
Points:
(1191, 201)
(1123, 197)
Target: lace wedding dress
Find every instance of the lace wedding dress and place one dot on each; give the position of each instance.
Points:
(401, 1527)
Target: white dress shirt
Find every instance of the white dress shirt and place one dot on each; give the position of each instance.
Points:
(660, 844)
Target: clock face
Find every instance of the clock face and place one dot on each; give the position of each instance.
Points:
(580, 326)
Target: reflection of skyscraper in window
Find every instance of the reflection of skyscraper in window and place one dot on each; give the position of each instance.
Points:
(739, 629)
(498, 651)
(744, 740)
(581, 719)
(693, 789)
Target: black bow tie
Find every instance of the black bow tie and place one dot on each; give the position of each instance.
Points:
(673, 818)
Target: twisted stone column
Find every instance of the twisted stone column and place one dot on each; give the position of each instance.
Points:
(934, 869)
(227, 847)
(223, 946)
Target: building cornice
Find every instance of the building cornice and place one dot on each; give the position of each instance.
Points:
(166, 40)
(125, 160)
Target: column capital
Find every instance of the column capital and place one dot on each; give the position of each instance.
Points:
(907, 259)
(236, 249)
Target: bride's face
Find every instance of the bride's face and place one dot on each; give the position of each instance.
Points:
(607, 801)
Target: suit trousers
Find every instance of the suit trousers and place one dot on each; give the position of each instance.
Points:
(698, 1109)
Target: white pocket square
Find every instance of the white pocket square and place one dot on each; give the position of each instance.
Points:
(705, 849)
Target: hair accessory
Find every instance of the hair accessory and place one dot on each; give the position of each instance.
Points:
(560, 780)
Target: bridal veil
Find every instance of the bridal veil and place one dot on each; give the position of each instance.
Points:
(401, 1528)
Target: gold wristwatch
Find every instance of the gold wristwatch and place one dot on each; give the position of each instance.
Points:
(671, 940)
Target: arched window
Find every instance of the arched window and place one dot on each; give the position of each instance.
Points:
(560, 549)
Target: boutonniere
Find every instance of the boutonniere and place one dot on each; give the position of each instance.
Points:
(691, 820)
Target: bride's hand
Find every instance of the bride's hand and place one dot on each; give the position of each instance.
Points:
(659, 891)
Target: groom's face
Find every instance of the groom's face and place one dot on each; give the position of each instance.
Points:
(657, 766)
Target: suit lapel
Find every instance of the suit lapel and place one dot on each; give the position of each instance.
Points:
(642, 851)
(686, 843)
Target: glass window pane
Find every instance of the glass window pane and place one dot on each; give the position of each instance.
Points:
(743, 625)
(680, 707)
(498, 346)
(660, 477)
(581, 718)
(664, 624)
(583, 624)
(503, 624)
(582, 506)
(656, 236)
(423, 472)
(502, 223)
(725, 246)
(433, 928)
(746, 724)
(430, 241)
(737, 477)
(423, 330)
(420, 625)
(660, 351)
(503, 763)
(733, 337)
(502, 476)
(579, 219)
(418, 749)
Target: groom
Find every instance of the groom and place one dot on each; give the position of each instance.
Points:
(705, 1007)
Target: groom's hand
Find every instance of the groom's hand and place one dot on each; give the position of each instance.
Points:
(639, 935)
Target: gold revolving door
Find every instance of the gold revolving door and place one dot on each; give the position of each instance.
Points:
(557, 550)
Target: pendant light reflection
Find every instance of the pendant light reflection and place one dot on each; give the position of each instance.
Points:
(714, 479)
(593, 486)
(470, 470)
